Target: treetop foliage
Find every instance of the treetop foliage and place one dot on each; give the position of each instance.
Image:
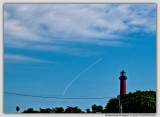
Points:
(136, 102)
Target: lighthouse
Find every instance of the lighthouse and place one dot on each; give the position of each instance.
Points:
(123, 79)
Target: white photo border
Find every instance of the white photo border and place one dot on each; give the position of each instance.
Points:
(2, 2)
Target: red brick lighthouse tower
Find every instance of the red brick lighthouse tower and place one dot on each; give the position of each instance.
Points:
(123, 79)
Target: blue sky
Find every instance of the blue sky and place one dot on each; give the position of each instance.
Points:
(47, 45)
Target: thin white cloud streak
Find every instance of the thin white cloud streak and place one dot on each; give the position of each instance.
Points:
(11, 58)
(75, 78)
(84, 23)
(51, 48)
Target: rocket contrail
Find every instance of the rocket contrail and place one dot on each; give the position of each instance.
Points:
(80, 75)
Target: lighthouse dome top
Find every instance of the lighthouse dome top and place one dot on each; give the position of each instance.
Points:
(122, 75)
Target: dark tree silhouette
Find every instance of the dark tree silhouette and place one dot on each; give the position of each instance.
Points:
(30, 110)
(17, 109)
(58, 110)
(73, 110)
(94, 108)
(99, 109)
(136, 102)
(77, 110)
(112, 106)
(88, 110)
(139, 102)
(47, 110)
(69, 110)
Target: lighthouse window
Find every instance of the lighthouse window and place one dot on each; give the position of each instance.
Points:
(124, 74)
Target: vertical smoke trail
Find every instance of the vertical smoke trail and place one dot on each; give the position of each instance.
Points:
(80, 75)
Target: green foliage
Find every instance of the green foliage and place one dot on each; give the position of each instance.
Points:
(73, 110)
(137, 102)
(47, 110)
(112, 106)
(94, 108)
(30, 110)
(58, 110)
(88, 110)
(97, 109)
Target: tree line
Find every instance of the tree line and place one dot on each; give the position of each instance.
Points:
(136, 102)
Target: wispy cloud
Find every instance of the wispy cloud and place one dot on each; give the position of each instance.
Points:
(11, 58)
(99, 24)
